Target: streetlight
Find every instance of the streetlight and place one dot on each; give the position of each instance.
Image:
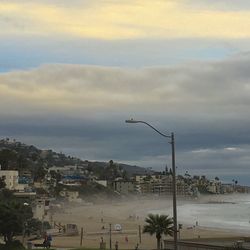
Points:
(172, 142)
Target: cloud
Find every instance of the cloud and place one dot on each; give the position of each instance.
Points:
(125, 19)
(218, 160)
(28, 52)
(222, 5)
(220, 88)
(81, 109)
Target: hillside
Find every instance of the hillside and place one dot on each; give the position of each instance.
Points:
(22, 157)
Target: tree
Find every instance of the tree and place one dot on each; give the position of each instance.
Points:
(56, 175)
(13, 216)
(6, 194)
(6, 156)
(166, 170)
(40, 173)
(2, 182)
(158, 225)
(33, 226)
(21, 162)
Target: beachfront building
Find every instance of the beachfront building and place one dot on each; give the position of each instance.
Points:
(71, 196)
(123, 186)
(214, 187)
(161, 185)
(241, 189)
(182, 188)
(150, 178)
(11, 178)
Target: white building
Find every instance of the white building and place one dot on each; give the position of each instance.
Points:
(10, 178)
(41, 210)
(102, 182)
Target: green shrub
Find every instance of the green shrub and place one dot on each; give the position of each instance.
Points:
(14, 245)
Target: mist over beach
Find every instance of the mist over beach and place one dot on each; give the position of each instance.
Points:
(216, 216)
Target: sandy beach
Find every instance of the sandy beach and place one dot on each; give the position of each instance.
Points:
(95, 219)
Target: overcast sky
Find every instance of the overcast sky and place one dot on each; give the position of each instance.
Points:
(71, 72)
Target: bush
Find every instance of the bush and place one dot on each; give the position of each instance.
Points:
(14, 245)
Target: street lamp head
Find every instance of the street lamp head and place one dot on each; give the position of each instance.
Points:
(131, 121)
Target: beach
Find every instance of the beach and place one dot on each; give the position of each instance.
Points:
(96, 220)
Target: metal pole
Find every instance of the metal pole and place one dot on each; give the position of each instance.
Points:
(81, 236)
(23, 232)
(110, 240)
(174, 191)
(140, 234)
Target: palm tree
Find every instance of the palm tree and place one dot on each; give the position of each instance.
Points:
(158, 225)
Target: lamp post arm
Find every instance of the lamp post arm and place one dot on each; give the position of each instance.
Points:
(156, 130)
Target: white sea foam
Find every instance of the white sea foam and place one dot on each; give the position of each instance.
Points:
(226, 212)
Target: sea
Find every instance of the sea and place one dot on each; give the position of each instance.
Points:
(219, 211)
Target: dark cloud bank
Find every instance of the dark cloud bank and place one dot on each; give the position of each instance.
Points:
(205, 104)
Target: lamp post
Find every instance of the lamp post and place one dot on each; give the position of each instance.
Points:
(172, 142)
(110, 240)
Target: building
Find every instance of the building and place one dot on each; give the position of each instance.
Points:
(214, 187)
(73, 180)
(122, 186)
(102, 182)
(42, 211)
(161, 185)
(10, 178)
(71, 196)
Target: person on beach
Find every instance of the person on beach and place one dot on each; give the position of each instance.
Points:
(49, 239)
(116, 245)
(126, 239)
(45, 239)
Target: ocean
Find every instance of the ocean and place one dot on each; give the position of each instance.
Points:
(219, 211)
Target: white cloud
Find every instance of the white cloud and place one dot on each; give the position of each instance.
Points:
(209, 89)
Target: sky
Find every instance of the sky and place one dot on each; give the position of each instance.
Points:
(72, 72)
